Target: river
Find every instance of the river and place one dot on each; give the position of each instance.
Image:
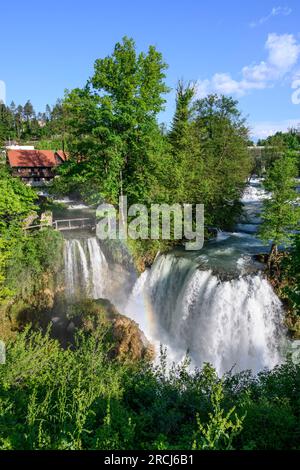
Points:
(214, 303)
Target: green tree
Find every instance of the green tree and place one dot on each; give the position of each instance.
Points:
(19, 121)
(6, 124)
(223, 136)
(16, 202)
(28, 111)
(187, 162)
(183, 115)
(280, 213)
(115, 140)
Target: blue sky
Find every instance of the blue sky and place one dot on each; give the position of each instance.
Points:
(249, 49)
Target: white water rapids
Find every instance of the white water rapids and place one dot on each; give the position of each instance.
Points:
(228, 323)
(187, 303)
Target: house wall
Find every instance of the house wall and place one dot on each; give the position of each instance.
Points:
(33, 172)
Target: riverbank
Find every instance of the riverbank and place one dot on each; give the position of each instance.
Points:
(284, 276)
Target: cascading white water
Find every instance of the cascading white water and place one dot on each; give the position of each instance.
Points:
(136, 307)
(86, 268)
(182, 303)
(98, 268)
(236, 322)
(228, 323)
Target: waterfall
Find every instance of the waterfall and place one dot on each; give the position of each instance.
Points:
(236, 322)
(98, 268)
(214, 303)
(86, 268)
(136, 307)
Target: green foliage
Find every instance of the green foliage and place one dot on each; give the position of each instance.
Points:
(23, 124)
(226, 158)
(280, 213)
(35, 255)
(16, 200)
(220, 430)
(49, 144)
(4, 257)
(210, 161)
(271, 403)
(289, 140)
(185, 172)
(291, 273)
(182, 117)
(117, 146)
(279, 144)
(24, 257)
(281, 216)
(288, 284)
(114, 139)
(144, 252)
(63, 394)
(79, 398)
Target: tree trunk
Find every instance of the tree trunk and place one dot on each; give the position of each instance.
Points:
(272, 256)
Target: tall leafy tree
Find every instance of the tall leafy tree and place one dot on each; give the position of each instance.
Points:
(223, 136)
(182, 116)
(281, 214)
(6, 123)
(28, 111)
(19, 121)
(115, 138)
(186, 150)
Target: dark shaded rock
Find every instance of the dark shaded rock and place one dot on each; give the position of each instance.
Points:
(126, 341)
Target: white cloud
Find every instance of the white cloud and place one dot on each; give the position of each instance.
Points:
(262, 129)
(257, 72)
(283, 52)
(223, 83)
(2, 92)
(276, 11)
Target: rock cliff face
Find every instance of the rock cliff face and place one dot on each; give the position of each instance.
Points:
(122, 335)
(47, 306)
(129, 341)
(33, 306)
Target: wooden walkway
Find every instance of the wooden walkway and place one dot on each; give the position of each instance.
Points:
(66, 224)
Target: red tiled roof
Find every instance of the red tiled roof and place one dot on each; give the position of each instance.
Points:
(31, 158)
(63, 155)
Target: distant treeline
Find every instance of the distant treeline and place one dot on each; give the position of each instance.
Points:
(22, 123)
(289, 139)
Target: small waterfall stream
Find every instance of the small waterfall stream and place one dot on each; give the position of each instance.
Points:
(86, 269)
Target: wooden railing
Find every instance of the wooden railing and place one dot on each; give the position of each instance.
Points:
(66, 224)
(73, 224)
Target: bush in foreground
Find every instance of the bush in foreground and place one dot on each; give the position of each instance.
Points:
(54, 398)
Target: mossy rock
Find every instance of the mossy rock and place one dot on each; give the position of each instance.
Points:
(126, 339)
